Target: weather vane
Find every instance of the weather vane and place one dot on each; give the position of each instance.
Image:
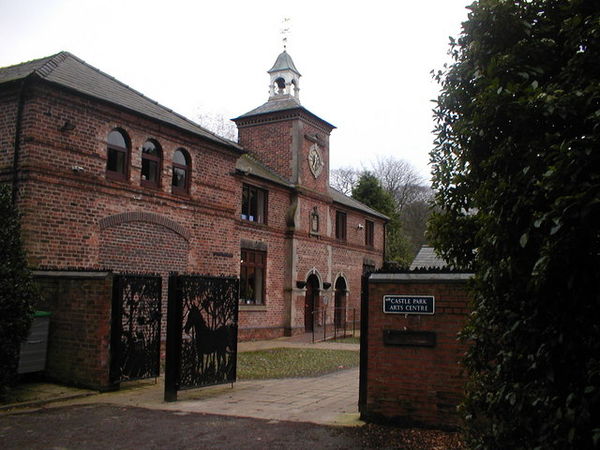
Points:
(285, 31)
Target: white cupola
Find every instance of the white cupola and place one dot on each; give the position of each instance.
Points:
(285, 79)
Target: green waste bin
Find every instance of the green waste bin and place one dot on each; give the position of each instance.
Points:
(32, 357)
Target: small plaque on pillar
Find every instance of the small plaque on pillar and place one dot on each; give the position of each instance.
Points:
(400, 338)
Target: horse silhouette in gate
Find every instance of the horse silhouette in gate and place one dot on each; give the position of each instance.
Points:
(217, 342)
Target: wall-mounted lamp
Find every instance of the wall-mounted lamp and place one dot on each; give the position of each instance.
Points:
(326, 285)
(360, 226)
(77, 169)
(67, 126)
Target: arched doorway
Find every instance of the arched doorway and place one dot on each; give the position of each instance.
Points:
(340, 302)
(311, 302)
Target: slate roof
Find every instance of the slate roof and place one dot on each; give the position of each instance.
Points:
(283, 62)
(343, 199)
(67, 70)
(279, 104)
(248, 165)
(427, 258)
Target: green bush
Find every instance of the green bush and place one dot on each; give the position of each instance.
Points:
(17, 292)
(518, 186)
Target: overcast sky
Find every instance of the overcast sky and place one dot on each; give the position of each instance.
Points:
(365, 65)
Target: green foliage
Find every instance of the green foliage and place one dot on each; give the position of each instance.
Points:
(518, 186)
(368, 190)
(16, 290)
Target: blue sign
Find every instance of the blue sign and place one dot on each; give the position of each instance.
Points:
(408, 304)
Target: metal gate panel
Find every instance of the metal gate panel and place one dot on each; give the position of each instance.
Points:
(201, 332)
(136, 325)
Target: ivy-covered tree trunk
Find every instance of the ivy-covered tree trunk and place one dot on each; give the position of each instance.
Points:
(17, 292)
(517, 173)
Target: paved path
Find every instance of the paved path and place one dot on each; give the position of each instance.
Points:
(327, 399)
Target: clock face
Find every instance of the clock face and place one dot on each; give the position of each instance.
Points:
(315, 160)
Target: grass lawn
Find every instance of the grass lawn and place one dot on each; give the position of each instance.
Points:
(293, 362)
(348, 340)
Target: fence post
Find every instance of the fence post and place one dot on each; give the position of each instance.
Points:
(313, 325)
(173, 346)
(335, 325)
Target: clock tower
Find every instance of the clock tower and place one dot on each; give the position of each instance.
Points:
(284, 135)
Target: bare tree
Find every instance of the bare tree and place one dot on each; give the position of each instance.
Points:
(218, 124)
(400, 179)
(415, 215)
(344, 179)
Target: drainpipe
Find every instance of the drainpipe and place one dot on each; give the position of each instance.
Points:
(17, 146)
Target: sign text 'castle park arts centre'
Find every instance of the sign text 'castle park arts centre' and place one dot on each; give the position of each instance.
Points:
(408, 304)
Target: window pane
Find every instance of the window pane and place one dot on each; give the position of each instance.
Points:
(179, 177)
(369, 229)
(252, 205)
(252, 275)
(116, 139)
(179, 158)
(340, 225)
(245, 207)
(149, 148)
(251, 284)
(258, 285)
(116, 161)
(149, 170)
(260, 206)
(243, 283)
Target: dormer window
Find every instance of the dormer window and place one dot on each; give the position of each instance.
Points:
(254, 204)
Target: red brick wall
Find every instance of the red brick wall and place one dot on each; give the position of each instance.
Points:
(416, 385)
(307, 179)
(8, 114)
(281, 141)
(293, 253)
(79, 334)
(272, 142)
(62, 209)
(67, 215)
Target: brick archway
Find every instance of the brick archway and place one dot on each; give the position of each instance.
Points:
(142, 216)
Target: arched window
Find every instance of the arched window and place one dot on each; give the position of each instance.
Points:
(181, 172)
(117, 155)
(151, 164)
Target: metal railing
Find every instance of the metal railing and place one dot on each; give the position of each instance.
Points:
(328, 326)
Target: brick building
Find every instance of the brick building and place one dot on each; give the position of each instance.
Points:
(105, 178)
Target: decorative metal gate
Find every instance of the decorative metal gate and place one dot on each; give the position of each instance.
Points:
(135, 336)
(201, 332)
